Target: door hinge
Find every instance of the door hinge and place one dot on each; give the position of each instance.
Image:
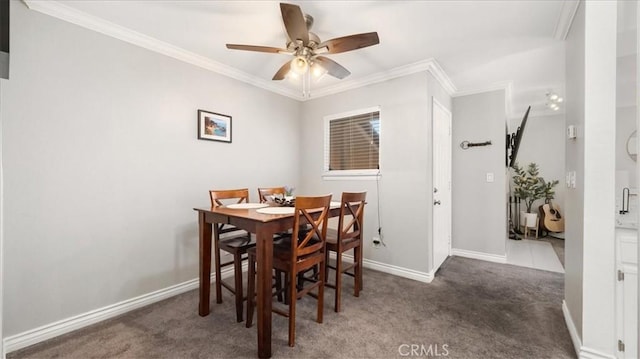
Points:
(620, 275)
(620, 346)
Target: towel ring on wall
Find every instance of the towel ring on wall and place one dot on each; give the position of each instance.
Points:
(632, 146)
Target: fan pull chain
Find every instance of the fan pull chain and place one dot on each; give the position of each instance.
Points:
(306, 85)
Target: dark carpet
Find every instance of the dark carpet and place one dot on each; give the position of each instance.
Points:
(473, 309)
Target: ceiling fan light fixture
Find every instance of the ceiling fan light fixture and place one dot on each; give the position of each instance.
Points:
(307, 48)
(299, 65)
(318, 71)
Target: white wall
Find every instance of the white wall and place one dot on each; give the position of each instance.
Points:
(405, 155)
(599, 181)
(574, 200)
(543, 142)
(626, 94)
(625, 166)
(625, 125)
(102, 166)
(589, 243)
(479, 208)
(627, 110)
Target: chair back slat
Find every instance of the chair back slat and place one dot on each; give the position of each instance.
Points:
(306, 216)
(268, 191)
(231, 195)
(352, 204)
(240, 195)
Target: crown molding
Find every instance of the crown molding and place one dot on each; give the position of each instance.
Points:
(430, 65)
(506, 86)
(442, 77)
(567, 13)
(80, 18)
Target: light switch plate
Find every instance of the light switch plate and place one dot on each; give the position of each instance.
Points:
(490, 177)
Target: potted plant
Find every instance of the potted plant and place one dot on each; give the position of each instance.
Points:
(530, 187)
(549, 193)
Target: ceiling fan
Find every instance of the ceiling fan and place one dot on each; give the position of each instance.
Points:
(307, 48)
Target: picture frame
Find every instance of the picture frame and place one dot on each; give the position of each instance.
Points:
(214, 126)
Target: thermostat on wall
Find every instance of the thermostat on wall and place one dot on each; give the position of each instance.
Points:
(571, 132)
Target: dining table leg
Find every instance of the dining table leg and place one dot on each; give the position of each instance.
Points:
(205, 264)
(264, 251)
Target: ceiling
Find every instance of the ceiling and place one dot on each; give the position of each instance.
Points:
(480, 45)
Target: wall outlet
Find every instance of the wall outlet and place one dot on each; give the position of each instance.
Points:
(573, 179)
(490, 177)
(376, 242)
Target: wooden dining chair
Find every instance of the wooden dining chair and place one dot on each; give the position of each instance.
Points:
(347, 236)
(263, 192)
(268, 191)
(297, 256)
(235, 241)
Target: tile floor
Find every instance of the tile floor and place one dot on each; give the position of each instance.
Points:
(533, 253)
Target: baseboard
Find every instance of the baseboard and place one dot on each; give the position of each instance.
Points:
(588, 353)
(479, 255)
(573, 332)
(45, 332)
(48, 331)
(581, 351)
(391, 269)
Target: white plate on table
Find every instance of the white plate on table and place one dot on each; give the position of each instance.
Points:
(335, 204)
(276, 210)
(247, 205)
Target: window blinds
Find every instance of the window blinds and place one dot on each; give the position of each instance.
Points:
(354, 142)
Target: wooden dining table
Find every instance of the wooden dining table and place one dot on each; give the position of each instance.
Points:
(264, 226)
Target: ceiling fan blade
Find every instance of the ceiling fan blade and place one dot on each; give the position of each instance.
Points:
(351, 42)
(273, 50)
(294, 23)
(333, 68)
(283, 71)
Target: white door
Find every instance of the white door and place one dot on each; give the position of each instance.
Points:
(441, 184)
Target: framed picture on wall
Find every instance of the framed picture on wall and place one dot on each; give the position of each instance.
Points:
(214, 126)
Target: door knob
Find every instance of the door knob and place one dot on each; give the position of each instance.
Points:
(435, 190)
(436, 202)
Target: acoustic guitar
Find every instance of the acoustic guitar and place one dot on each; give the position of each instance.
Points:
(552, 221)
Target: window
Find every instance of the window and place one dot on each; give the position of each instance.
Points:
(352, 143)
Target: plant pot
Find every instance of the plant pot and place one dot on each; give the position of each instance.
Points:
(529, 220)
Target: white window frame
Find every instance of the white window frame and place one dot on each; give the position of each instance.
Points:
(371, 174)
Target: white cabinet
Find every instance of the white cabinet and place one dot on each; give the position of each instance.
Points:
(627, 292)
